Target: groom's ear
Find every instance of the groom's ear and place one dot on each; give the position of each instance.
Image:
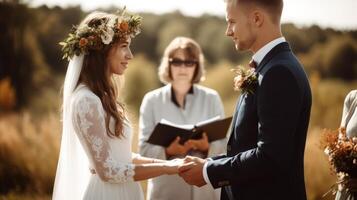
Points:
(257, 18)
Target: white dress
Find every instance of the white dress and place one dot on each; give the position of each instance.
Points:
(111, 158)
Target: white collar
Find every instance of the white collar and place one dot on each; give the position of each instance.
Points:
(262, 52)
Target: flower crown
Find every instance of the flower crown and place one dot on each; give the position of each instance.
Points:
(99, 33)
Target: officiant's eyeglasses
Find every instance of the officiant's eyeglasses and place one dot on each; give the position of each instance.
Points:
(175, 62)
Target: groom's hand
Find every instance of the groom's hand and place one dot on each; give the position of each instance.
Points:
(191, 171)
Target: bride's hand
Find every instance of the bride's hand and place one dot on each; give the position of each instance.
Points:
(171, 167)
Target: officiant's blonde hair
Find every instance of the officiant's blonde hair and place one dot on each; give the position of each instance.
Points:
(192, 50)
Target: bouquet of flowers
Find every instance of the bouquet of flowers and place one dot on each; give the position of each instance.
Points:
(342, 155)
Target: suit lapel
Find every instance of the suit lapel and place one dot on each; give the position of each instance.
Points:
(234, 121)
(284, 46)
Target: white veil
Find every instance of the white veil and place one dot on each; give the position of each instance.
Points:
(72, 170)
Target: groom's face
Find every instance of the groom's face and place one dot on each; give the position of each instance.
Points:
(239, 27)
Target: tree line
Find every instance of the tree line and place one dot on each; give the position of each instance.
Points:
(30, 55)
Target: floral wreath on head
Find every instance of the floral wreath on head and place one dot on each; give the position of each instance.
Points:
(99, 33)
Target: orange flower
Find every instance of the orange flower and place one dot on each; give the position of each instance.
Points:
(83, 42)
(124, 26)
(347, 146)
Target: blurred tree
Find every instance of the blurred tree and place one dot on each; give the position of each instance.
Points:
(312, 61)
(140, 78)
(146, 41)
(340, 59)
(52, 26)
(215, 44)
(175, 25)
(316, 35)
(13, 21)
(296, 37)
(208, 32)
(22, 60)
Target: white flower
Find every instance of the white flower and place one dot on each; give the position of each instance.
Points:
(83, 29)
(102, 26)
(107, 36)
(340, 136)
(111, 23)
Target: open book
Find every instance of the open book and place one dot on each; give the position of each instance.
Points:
(165, 131)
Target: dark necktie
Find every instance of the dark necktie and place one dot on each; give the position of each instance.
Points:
(252, 64)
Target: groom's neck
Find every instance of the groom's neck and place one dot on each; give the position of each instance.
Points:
(266, 35)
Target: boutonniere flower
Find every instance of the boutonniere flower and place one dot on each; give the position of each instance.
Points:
(245, 80)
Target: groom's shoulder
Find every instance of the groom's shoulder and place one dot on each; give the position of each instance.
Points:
(284, 69)
(284, 62)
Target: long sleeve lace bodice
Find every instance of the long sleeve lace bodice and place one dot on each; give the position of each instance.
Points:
(89, 124)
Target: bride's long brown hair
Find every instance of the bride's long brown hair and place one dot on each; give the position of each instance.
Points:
(97, 77)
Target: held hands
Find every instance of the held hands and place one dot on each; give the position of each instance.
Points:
(189, 168)
(192, 171)
(172, 166)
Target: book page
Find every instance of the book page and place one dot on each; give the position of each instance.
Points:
(183, 126)
(208, 121)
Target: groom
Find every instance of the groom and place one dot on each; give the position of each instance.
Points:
(265, 151)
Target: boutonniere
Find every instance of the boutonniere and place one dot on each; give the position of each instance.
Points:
(245, 80)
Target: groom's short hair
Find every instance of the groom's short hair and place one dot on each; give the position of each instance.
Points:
(274, 7)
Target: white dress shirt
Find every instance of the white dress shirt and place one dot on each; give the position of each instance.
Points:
(257, 57)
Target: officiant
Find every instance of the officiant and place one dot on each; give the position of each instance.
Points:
(181, 101)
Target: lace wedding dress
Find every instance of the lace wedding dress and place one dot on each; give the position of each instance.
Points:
(110, 157)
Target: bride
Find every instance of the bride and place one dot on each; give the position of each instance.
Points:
(95, 159)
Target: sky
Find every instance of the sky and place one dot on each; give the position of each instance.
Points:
(339, 14)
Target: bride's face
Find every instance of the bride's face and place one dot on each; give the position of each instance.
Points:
(119, 56)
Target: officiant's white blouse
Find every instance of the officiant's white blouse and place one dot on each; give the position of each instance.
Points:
(201, 103)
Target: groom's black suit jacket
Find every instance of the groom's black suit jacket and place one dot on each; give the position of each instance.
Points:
(265, 151)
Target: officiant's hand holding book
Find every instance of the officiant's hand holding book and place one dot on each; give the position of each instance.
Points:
(177, 149)
(199, 144)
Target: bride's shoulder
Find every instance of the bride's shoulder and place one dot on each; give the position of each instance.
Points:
(82, 94)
